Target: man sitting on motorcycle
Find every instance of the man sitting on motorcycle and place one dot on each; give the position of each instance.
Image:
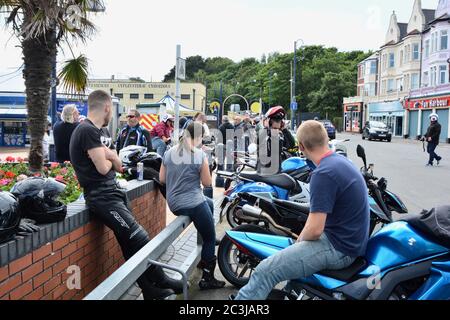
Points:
(337, 229)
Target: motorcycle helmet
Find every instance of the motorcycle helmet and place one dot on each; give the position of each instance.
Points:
(131, 155)
(168, 117)
(276, 113)
(9, 216)
(434, 117)
(38, 199)
(151, 160)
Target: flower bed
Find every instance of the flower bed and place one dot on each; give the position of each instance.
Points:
(14, 170)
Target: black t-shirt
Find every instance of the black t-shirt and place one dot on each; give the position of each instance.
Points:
(62, 132)
(86, 137)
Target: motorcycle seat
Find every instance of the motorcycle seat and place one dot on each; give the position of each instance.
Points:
(294, 206)
(283, 181)
(348, 273)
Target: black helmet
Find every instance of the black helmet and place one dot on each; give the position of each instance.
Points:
(9, 216)
(151, 160)
(38, 199)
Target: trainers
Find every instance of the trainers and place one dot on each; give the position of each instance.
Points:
(429, 165)
(439, 161)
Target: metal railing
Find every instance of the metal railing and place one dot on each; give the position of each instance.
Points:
(116, 285)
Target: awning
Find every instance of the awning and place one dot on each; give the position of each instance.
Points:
(392, 108)
(11, 114)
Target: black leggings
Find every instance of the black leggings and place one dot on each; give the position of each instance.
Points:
(110, 206)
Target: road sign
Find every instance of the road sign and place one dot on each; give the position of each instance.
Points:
(294, 106)
(256, 107)
(181, 65)
(214, 106)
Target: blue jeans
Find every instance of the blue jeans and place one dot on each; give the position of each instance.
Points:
(431, 150)
(159, 145)
(203, 218)
(300, 260)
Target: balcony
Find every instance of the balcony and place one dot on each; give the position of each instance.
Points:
(431, 91)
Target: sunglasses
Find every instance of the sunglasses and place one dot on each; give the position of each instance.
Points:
(131, 117)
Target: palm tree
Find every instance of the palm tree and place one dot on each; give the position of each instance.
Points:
(42, 27)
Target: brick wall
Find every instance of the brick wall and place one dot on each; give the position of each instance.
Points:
(42, 273)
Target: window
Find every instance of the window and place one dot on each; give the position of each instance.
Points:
(373, 67)
(399, 84)
(415, 51)
(414, 81)
(148, 96)
(407, 53)
(119, 95)
(443, 74)
(401, 58)
(186, 97)
(391, 60)
(434, 40)
(427, 48)
(444, 40)
(134, 95)
(426, 78)
(390, 85)
(433, 74)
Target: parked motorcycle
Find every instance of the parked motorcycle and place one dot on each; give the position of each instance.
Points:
(402, 262)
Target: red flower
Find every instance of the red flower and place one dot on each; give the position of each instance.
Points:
(60, 178)
(20, 160)
(10, 159)
(54, 165)
(10, 175)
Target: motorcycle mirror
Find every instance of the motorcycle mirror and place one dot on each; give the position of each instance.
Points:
(362, 154)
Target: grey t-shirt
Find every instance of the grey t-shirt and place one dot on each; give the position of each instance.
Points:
(183, 178)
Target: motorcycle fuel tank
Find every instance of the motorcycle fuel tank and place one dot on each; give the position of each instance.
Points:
(398, 244)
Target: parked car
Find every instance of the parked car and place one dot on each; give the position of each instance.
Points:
(331, 130)
(375, 130)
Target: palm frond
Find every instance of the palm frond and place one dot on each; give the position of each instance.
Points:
(74, 75)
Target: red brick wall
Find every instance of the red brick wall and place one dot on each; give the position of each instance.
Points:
(42, 274)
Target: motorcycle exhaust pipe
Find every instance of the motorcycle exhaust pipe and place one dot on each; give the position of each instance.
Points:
(259, 214)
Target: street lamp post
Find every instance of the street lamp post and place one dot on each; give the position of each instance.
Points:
(294, 83)
(260, 96)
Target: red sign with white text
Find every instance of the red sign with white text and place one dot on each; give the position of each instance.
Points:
(430, 103)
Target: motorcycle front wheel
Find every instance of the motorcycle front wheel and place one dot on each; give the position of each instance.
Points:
(236, 266)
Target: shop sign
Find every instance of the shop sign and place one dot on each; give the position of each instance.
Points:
(440, 102)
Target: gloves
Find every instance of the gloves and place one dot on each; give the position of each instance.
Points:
(27, 227)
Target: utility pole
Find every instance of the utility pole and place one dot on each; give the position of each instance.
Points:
(177, 96)
(294, 83)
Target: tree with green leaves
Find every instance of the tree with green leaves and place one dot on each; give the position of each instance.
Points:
(43, 26)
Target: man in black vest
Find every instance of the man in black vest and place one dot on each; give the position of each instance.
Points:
(133, 134)
(96, 166)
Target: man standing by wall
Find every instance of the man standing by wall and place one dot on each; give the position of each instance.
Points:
(133, 134)
(96, 166)
(432, 136)
(62, 132)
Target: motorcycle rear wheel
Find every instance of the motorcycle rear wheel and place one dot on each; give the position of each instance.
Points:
(236, 266)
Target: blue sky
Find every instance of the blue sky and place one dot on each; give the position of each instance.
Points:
(138, 37)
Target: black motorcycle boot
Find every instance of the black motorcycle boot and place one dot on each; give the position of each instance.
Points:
(208, 280)
(161, 280)
(150, 292)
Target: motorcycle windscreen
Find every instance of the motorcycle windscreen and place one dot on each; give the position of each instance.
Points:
(394, 203)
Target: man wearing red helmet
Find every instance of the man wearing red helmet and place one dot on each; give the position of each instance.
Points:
(277, 138)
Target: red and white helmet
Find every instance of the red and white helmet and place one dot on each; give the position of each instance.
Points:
(276, 113)
(167, 117)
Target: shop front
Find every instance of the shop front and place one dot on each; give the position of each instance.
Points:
(353, 117)
(419, 111)
(390, 113)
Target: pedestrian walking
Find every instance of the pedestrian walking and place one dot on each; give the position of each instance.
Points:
(432, 137)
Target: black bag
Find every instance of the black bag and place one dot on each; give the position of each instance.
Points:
(434, 223)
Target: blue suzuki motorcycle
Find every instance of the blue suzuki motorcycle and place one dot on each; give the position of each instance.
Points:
(401, 263)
